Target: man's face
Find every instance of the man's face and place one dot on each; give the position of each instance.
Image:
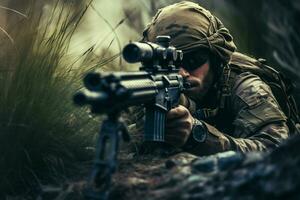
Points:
(201, 80)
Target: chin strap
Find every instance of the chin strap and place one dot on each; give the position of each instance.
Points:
(222, 94)
(225, 86)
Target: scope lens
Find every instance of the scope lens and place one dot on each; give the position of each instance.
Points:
(131, 53)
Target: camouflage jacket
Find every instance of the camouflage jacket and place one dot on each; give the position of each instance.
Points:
(251, 119)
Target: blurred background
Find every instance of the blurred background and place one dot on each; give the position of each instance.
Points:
(110, 24)
(47, 46)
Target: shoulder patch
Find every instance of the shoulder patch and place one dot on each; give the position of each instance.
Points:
(251, 89)
(255, 104)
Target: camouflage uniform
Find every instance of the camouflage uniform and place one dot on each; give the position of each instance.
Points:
(247, 116)
(250, 120)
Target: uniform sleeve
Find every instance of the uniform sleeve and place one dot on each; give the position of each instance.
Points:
(259, 123)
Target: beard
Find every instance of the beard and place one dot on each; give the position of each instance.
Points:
(199, 88)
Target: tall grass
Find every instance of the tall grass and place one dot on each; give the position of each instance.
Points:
(42, 135)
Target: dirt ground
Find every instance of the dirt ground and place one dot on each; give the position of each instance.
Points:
(228, 175)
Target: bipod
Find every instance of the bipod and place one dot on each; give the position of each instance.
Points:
(105, 163)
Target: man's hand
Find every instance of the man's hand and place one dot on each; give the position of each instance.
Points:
(188, 103)
(178, 126)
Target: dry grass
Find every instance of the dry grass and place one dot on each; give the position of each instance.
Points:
(43, 136)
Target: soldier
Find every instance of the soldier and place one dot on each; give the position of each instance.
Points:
(224, 110)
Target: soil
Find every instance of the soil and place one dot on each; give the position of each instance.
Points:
(227, 175)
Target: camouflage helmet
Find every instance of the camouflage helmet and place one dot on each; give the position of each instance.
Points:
(194, 30)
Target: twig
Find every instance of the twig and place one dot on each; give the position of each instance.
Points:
(14, 11)
(7, 35)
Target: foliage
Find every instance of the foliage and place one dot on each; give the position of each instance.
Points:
(43, 136)
(284, 29)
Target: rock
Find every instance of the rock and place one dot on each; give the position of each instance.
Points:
(196, 179)
(220, 161)
(205, 165)
(229, 159)
(253, 157)
(179, 159)
(171, 164)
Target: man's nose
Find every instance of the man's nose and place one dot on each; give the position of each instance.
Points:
(184, 73)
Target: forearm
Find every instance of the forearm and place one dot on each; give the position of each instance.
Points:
(266, 138)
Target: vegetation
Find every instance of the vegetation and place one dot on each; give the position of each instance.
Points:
(43, 136)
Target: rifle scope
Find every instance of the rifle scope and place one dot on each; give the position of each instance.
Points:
(149, 52)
